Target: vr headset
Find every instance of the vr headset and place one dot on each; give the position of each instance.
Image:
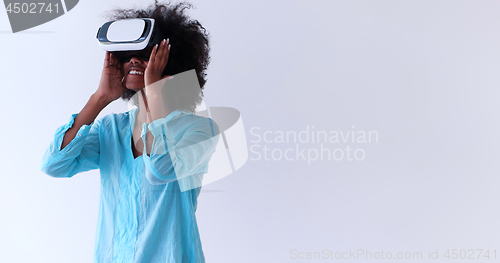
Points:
(127, 38)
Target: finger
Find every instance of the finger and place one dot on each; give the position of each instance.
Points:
(114, 60)
(161, 50)
(152, 56)
(164, 53)
(119, 66)
(160, 57)
(106, 59)
(167, 50)
(111, 59)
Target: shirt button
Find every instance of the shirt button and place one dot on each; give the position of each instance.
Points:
(79, 135)
(83, 127)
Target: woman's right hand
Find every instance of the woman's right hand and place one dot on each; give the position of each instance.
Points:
(111, 86)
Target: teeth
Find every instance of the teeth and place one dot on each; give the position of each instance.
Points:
(135, 72)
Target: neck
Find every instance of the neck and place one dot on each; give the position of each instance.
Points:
(152, 105)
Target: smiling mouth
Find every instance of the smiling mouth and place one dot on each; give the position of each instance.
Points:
(136, 72)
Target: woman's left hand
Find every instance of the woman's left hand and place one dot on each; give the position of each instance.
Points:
(157, 62)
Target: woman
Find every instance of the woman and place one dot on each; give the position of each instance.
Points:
(151, 158)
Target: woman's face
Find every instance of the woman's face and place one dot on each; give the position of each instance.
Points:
(133, 70)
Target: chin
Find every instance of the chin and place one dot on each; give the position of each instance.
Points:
(135, 84)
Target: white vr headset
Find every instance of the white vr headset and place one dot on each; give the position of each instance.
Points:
(127, 38)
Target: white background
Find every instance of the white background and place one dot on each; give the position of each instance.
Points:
(424, 74)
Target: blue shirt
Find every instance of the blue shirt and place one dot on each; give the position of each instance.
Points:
(147, 205)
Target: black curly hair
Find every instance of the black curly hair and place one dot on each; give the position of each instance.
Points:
(189, 40)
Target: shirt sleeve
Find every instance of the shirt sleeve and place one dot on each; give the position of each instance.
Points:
(170, 161)
(80, 155)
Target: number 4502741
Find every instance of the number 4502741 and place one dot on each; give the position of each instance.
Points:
(31, 8)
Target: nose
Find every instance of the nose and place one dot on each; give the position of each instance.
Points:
(136, 60)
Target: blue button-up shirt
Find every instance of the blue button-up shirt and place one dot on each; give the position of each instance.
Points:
(147, 204)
